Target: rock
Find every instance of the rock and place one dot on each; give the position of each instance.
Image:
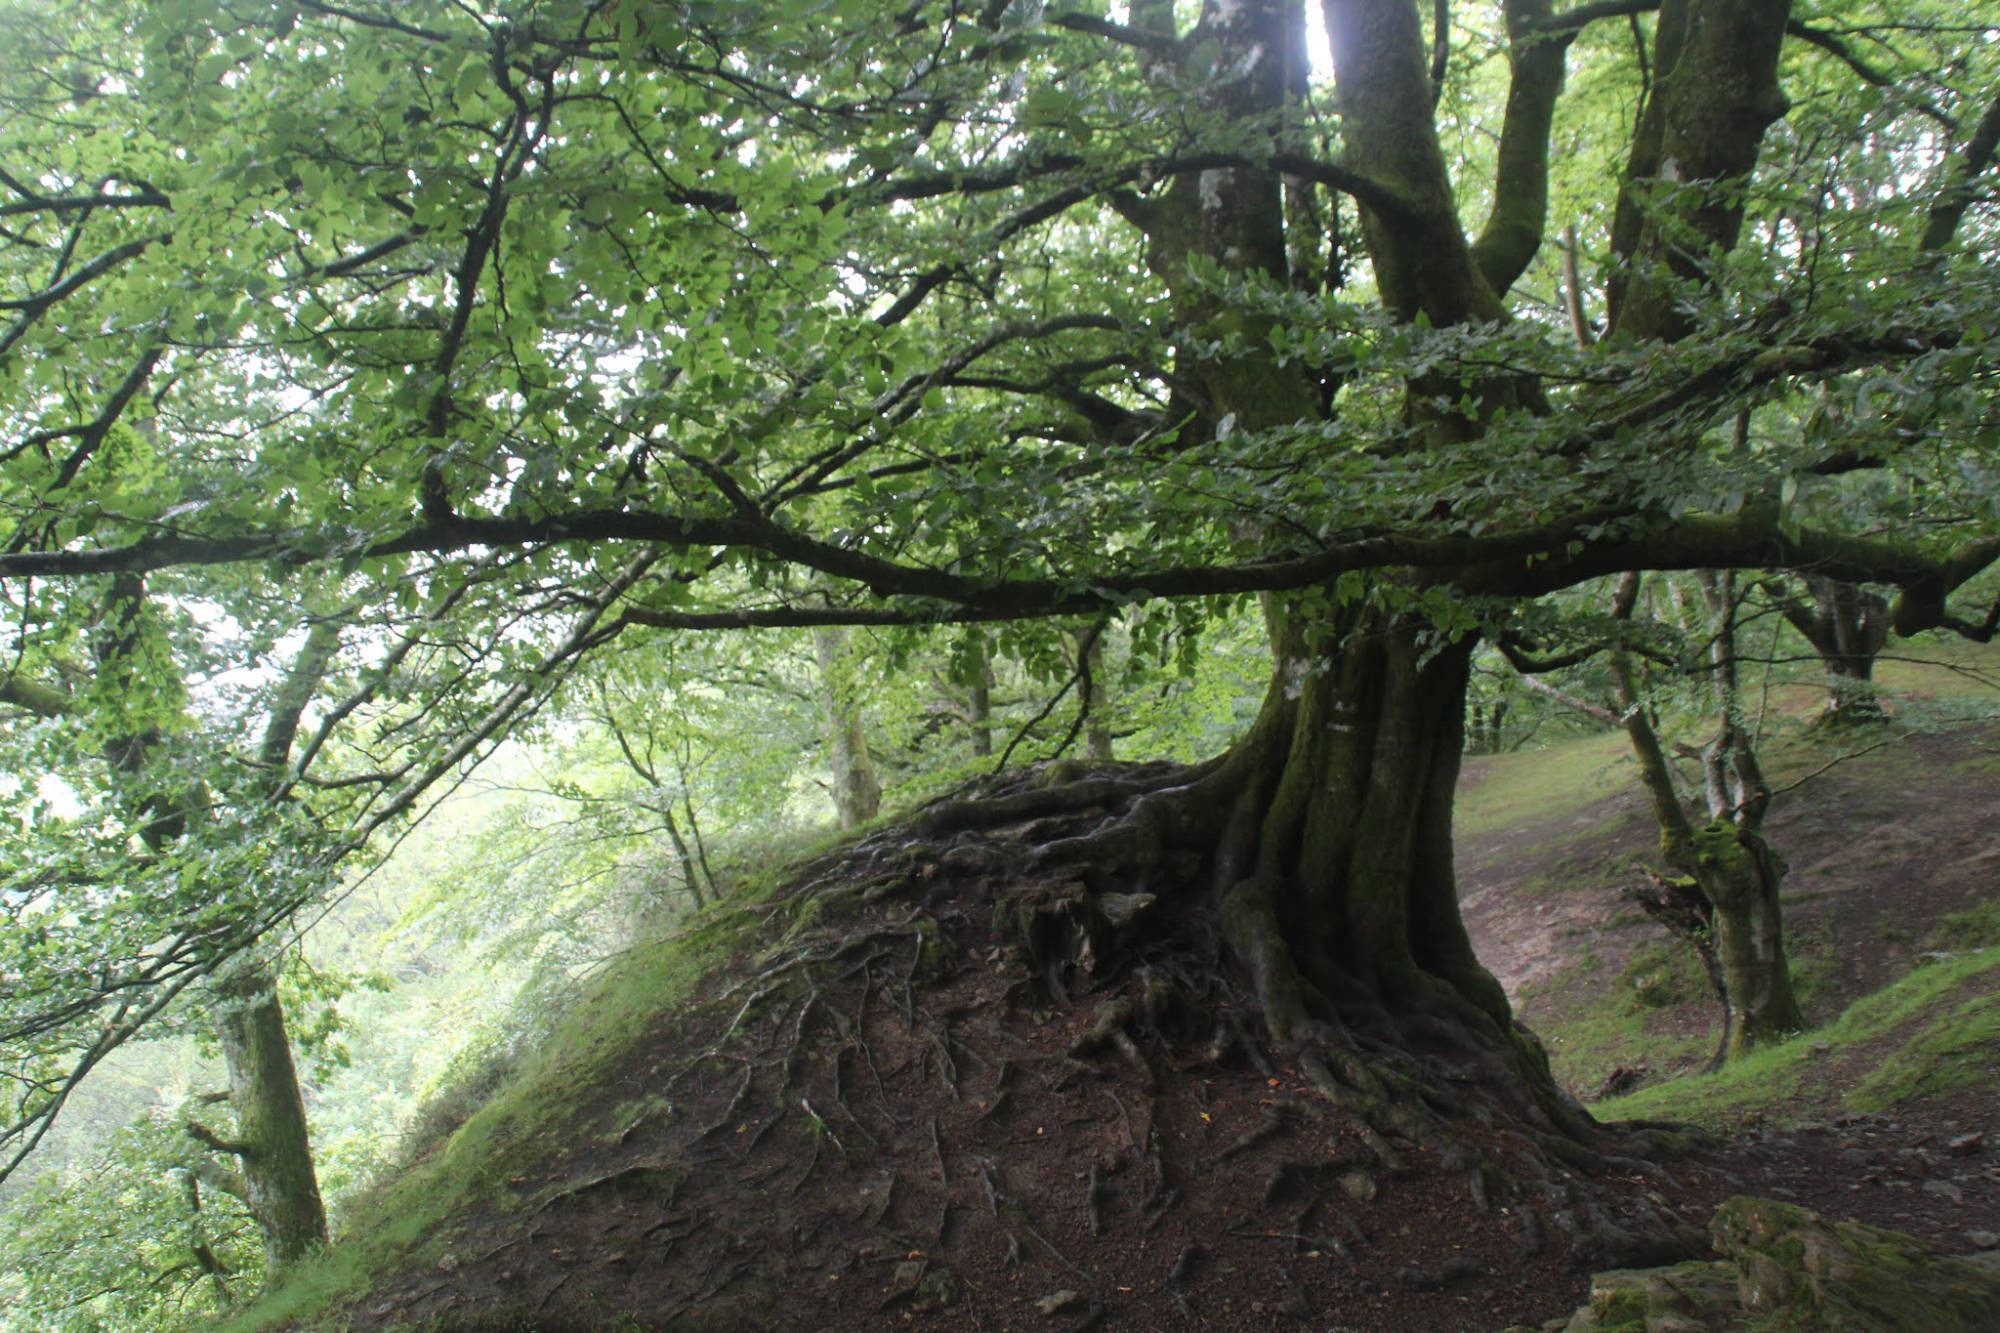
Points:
(1121, 909)
(1847, 1275)
(1944, 1189)
(1786, 1267)
(1913, 1163)
(1359, 1185)
(1057, 1301)
(1967, 1145)
(1983, 1240)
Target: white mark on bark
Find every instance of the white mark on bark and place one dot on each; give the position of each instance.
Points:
(1211, 188)
(1296, 671)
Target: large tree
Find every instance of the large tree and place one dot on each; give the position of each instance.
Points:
(697, 316)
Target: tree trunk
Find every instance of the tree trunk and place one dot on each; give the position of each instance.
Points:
(857, 796)
(1319, 847)
(281, 1187)
(688, 872)
(1093, 694)
(272, 1142)
(972, 680)
(1847, 627)
(1334, 868)
(1727, 862)
(1739, 874)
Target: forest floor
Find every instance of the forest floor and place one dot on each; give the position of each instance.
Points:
(903, 1134)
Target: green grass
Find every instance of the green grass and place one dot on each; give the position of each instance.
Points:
(1976, 928)
(1544, 783)
(1940, 667)
(1925, 1038)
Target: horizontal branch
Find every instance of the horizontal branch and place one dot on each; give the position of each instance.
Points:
(64, 204)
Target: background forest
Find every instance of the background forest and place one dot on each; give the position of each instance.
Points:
(485, 490)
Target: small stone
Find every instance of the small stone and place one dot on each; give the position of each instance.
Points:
(1944, 1189)
(1913, 1163)
(1057, 1301)
(1360, 1186)
(1121, 909)
(448, 1264)
(1983, 1240)
(1967, 1145)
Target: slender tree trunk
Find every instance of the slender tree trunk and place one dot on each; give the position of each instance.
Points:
(682, 851)
(972, 678)
(272, 1144)
(273, 1147)
(857, 796)
(1727, 863)
(1093, 694)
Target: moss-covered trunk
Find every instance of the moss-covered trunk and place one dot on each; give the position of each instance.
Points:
(272, 1143)
(1727, 906)
(1739, 874)
(1334, 873)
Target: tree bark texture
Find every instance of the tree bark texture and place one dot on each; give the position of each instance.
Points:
(274, 1146)
(1847, 627)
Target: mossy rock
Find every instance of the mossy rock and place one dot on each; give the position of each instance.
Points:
(1788, 1270)
(1797, 1266)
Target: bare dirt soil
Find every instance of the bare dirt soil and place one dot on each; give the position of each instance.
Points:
(907, 1132)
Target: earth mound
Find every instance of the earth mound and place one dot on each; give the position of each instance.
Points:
(954, 1085)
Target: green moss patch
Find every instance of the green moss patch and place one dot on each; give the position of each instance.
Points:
(1937, 1028)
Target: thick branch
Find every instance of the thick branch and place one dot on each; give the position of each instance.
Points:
(1514, 226)
(1957, 194)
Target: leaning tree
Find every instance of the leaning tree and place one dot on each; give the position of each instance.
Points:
(692, 316)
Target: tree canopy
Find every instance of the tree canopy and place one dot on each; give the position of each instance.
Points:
(483, 335)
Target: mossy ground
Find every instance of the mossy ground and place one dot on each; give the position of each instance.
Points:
(1935, 1030)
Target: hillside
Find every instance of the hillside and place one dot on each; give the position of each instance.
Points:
(852, 1100)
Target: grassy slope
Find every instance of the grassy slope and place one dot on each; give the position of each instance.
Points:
(526, 1118)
